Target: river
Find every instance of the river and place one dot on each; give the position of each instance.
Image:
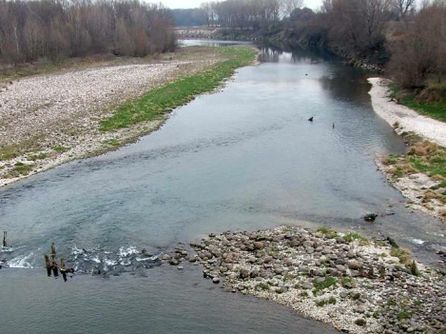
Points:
(244, 157)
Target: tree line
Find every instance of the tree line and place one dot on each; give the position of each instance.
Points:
(409, 43)
(391, 34)
(57, 29)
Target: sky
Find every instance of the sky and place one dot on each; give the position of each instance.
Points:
(314, 4)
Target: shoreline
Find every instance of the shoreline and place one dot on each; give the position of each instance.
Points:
(402, 118)
(426, 137)
(43, 133)
(354, 284)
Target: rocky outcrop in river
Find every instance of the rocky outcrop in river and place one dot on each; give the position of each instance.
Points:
(358, 286)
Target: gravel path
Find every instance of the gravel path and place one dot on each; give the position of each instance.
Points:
(46, 120)
(407, 119)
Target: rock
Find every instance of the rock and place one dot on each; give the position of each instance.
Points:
(166, 257)
(306, 286)
(370, 217)
(180, 268)
(267, 259)
(244, 273)
(354, 264)
(258, 245)
(174, 262)
(216, 280)
(360, 322)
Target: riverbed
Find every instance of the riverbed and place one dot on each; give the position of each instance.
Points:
(243, 158)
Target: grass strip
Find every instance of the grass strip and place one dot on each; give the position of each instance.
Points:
(436, 110)
(157, 102)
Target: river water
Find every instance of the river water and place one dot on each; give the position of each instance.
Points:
(242, 158)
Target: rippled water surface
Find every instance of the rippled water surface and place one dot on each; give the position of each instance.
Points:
(242, 158)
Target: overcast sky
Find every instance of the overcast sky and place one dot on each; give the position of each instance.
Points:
(315, 4)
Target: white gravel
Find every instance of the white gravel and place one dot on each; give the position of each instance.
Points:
(407, 119)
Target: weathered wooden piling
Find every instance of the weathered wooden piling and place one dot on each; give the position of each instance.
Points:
(47, 265)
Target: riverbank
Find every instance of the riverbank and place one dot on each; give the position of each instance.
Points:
(47, 120)
(356, 285)
(420, 175)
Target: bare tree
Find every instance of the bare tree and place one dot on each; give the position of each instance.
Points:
(403, 7)
(289, 6)
(33, 29)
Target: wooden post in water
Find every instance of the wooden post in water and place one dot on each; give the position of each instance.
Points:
(53, 251)
(47, 265)
(4, 239)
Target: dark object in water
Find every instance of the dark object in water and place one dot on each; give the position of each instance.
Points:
(55, 269)
(370, 217)
(333, 125)
(4, 239)
(53, 251)
(48, 265)
(311, 119)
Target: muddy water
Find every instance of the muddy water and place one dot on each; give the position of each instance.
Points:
(243, 158)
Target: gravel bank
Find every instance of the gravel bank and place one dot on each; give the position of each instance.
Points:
(46, 120)
(358, 286)
(422, 191)
(407, 119)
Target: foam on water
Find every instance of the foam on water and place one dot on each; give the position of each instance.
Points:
(21, 261)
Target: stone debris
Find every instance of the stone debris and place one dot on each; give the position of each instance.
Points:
(344, 280)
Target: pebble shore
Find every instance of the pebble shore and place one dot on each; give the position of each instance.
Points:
(356, 285)
(54, 118)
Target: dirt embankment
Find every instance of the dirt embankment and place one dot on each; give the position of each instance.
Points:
(49, 119)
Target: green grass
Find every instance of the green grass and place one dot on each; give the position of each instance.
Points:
(60, 149)
(20, 169)
(431, 165)
(352, 236)
(113, 143)
(327, 301)
(328, 232)
(9, 152)
(156, 103)
(435, 110)
(404, 315)
(325, 284)
(37, 156)
(402, 254)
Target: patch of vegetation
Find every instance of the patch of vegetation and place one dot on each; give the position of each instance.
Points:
(414, 269)
(404, 315)
(37, 156)
(262, 287)
(328, 232)
(347, 282)
(352, 236)
(156, 103)
(60, 149)
(113, 142)
(325, 284)
(423, 157)
(391, 302)
(20, 169)
(9, 152)
(402, 254)
(432, 109)
(326, 301)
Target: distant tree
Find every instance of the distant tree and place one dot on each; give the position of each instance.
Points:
(418, 52)
(403, 7)
(289, 6)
